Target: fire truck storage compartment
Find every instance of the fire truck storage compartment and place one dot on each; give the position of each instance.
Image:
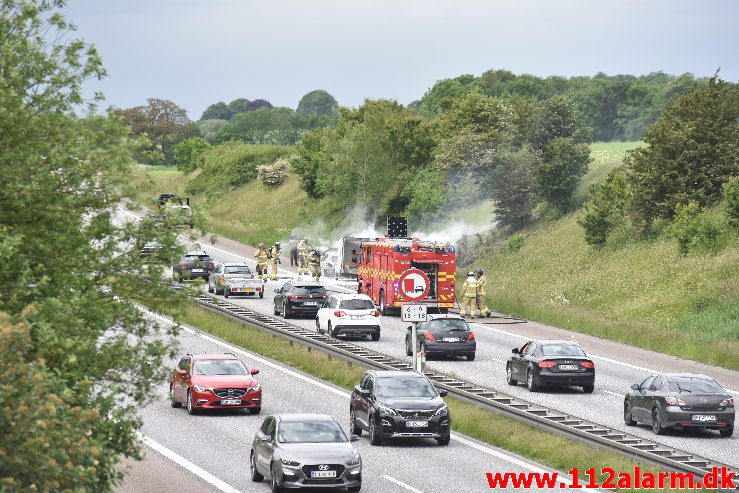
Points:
(431, 270)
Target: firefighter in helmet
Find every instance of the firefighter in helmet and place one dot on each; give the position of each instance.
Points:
(481, 283)
(469, 295)
(262, 257)
(303, 251)
(274, 256)
(314, 261)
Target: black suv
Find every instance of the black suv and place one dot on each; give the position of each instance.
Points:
(299, 298)
(399, 404)
(193, 265)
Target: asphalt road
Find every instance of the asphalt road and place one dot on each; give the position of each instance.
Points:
(219, 442)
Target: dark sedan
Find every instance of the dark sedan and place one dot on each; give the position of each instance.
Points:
(193, 265)
(443, 335)
(299, 298)
(551, 362)
(680, 401)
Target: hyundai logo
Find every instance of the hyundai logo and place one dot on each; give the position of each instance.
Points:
(323, 467)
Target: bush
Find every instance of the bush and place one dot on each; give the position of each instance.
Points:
(693, 226)
(188, 152)
(731, 201)
(564, 163)
(273, 175)
(606, 210)
(515, 242)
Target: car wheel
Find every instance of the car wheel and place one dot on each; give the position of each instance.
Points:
(172, 400)
(276, 488)
(353, 426)
(331, 330)
(190, 405)
(275, 309)
(210, 288)
(588, 389)
(408, 350)
(354, 489)
(657, 422)
(261, 294)
(383, 308)
(286, 311)
(255, 475)
(470, 356)
(375, 437)
(254, 410)
(444, 440)
(509, 375)
(225, 292)
(376, 336)
(179, 277)
(530, 383)
(727, 432)
(627, 414)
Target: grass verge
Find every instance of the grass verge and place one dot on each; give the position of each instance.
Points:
(528, 441)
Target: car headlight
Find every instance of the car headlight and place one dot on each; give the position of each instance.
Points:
(386, 410)
(442, 411)
(354, 461)
(200, 388)
(254, 388)
(290, 463)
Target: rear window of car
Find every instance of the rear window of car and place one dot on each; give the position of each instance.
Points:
(357, 305)
(237, 269)
(695, 386)
(561, 350)
(309, 290)
(201, 258)
(448, 324)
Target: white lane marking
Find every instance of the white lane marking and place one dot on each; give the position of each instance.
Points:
(181, 461)
(613, 393)
(609, 360)
(499, 360)
(400, 483)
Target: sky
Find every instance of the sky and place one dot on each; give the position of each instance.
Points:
(198, 52)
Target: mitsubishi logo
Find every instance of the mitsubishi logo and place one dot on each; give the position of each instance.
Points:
(231, 391)
(703, 401)
(323, 467)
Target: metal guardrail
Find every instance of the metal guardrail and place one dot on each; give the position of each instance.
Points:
(555, 421)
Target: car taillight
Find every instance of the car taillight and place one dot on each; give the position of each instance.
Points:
(211, 265)
(339, 313)
(184, 265)
(429, 336)
(291, 296)
(727, 402)
(587, 364)
(471, 336)
(547, 364)
(674, 401)
(375, 313)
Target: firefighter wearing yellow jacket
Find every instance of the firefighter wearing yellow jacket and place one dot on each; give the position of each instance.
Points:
(314, 261)
(274, 256)
(262, 257)
(303, 251)
(469, 295)
(481, 283)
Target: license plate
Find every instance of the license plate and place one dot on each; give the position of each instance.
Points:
(246, 290)
(198, 270)
(310, 303)
(416, 424)
(323, 474)
(704, 417)
(356, 317)
(450, 339)
(568, 367)
(230, 402)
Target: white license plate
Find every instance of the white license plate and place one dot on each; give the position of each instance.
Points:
(450, 339)
(704, 417)
(230, 402)
(198, 270)
(310, 303)
(416, 424)
(356, 317)
(323, 474)
(568, 367)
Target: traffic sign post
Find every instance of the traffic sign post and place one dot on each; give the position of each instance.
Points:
(411, 312)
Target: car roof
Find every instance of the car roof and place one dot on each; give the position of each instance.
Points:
(351, 296)
(214, 356)
(303, 417)
(306, 284)
(235, 264)
(397, 373)
(195, 252)
(441, 316)
(699, 376)
(554, 341)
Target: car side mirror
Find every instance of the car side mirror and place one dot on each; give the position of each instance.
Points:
(515, 351)
(410, 328)
(635, 387)
(364, 392)
(443, 392)
(254, 371)
(266, 439)
(354, 438)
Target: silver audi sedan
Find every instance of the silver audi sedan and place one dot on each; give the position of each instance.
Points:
(305, 451)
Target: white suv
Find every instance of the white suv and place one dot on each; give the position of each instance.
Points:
(349, 315)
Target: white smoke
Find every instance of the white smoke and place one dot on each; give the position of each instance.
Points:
(450, 232)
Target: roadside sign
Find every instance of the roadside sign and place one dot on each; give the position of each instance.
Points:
(414, 285)
(413, 313)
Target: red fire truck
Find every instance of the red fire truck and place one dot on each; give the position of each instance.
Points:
(381, 261)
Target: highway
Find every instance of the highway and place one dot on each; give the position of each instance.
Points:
(219, 443)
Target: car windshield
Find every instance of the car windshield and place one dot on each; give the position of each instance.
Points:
(201, 258)
(357, 305)
(219, 367)
(237, 269)
(695, 386)
(404, 387)
(561, 350)
(310, 432)
(448, 324)
(309, 290)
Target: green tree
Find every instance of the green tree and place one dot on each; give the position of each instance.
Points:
(217, 111)
(607, 208)
(71, 330)
(731, 201)
(313, 154)
(239, 105)
(187, 153)
(261, 126)
(691, 152)
(514, 187)
(563, 164)
(209, 128)
(561, 118)
(317, 102)
(259, 104)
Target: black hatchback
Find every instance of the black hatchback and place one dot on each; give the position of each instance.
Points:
(299, 298)
(551, 362)
(443, 335)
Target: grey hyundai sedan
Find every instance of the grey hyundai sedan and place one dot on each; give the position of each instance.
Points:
(305, 451)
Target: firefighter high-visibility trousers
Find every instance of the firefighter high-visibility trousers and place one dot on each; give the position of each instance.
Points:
(481, 305)
(273, 275)
(303, 265)
(316, 268)
(467, 302)
(262, 271)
